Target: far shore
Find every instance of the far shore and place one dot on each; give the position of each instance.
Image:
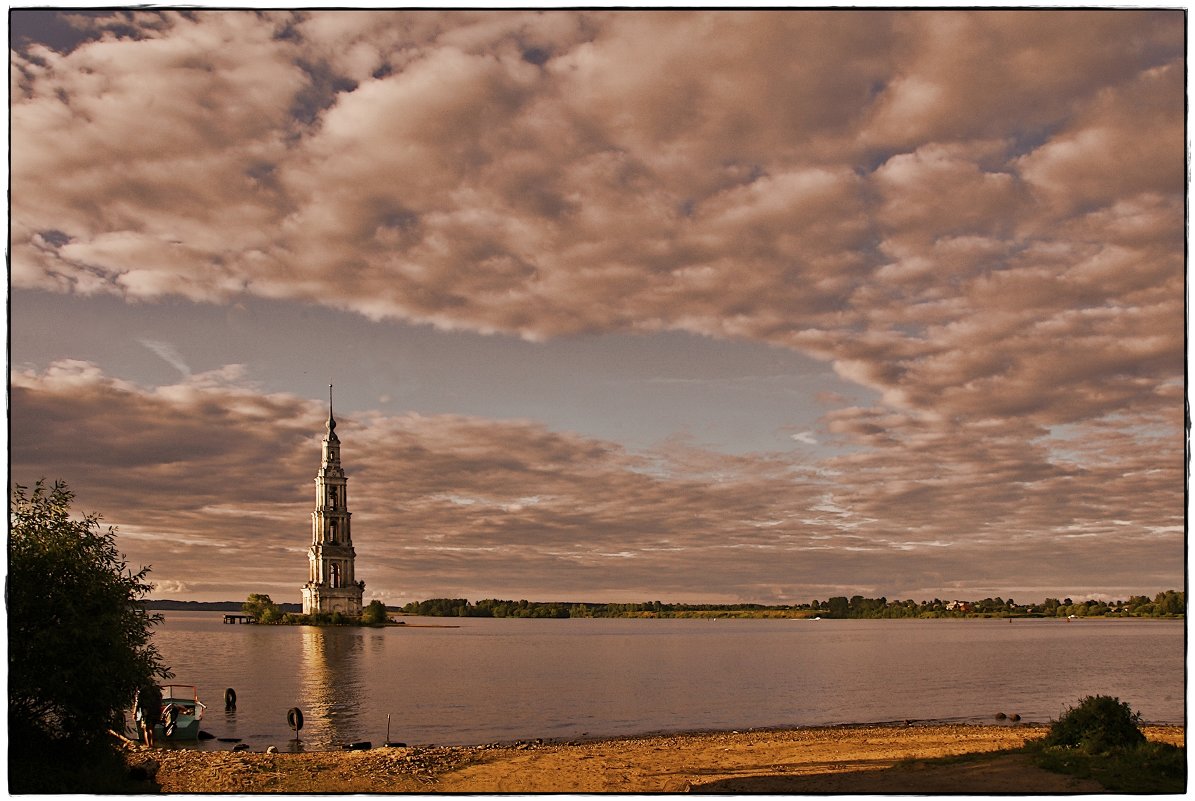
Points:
(863, 759)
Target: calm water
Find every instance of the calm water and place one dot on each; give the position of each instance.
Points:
(502, 679)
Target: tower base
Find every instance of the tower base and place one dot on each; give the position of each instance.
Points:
(326, 600)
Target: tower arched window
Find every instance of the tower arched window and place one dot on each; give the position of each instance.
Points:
(335, 575)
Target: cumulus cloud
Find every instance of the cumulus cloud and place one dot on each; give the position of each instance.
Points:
(210, 482)
(863, 186)
(978, 214)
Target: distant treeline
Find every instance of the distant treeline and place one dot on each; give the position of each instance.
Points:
(1165, 604)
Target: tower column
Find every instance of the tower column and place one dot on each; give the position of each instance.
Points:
(331, 585)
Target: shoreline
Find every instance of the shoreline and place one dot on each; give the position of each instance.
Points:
(850, 758)
(986, 722)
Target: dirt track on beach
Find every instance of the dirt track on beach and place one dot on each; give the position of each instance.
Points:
(854, 759)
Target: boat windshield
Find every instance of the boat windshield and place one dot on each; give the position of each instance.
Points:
(179, 692)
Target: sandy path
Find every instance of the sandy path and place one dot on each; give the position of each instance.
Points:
(857, 759)
(730, 763)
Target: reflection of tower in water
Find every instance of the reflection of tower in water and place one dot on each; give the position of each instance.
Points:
(331, 691)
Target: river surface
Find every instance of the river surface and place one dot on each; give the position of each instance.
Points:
(499, 680)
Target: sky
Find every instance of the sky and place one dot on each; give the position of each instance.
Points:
(619, 305)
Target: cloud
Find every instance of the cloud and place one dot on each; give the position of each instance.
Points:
(448, 505)
(167, 353)
(997, 252)
(827, 181)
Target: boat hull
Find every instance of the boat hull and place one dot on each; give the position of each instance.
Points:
(186, 728)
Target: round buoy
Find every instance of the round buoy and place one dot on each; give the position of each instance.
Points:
(294, 718)
(230, 698)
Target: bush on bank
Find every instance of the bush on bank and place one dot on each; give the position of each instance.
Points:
(1100, 738)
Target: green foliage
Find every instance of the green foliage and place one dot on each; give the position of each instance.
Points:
(374, 614)
(79, 646)
(438, 607)
(856, 606)
(1153, 768)
(1170, 603)
(1097, 725)
(263, 609)
(1101, 738)
(79, 641)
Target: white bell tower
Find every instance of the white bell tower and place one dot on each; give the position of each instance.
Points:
(331, 585)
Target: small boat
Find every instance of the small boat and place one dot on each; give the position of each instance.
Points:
(180, 714)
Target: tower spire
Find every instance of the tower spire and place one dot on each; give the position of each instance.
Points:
(331, 419)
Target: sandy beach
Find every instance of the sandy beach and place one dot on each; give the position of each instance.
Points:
(846, 759)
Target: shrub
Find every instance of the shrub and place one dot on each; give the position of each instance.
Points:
(1097, 725)
(374, 614)
(262, 608)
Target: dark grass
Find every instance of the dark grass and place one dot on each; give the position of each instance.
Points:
(1149, 768)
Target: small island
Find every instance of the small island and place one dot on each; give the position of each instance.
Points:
(261, 609)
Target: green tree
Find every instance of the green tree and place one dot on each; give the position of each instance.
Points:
(1136, 602)
(374, 614)
(262, 608)
(838, 606)
(79, 638)
(1170, 603)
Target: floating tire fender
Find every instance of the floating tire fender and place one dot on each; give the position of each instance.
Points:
(294, 718)
(169, 718)
(230, 698)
